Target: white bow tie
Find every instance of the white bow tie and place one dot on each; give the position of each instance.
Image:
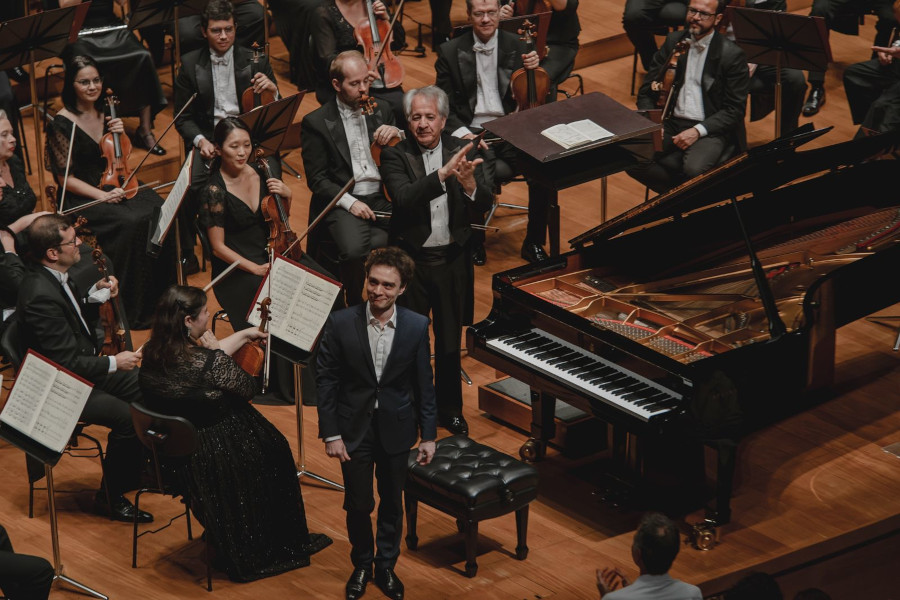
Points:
(220, 60)
(483, 50)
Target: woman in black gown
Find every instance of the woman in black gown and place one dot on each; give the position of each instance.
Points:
(121, 225)
(125, 61)
(242, 479)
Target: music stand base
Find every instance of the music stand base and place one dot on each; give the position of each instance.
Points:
(79, 586)
(301, 455)
(301, 473)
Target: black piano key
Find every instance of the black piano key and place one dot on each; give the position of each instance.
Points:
(509, 336)
(584, 369)
(571, 354)
(550, 351)
(597, 373)
(577, 363)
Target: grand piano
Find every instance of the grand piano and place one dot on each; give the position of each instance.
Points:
(711, 310)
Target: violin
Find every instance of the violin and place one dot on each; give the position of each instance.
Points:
(250, 99)
(665, 84)
(530, 87)
(276, 211)
(251, 357)
(116, 149)
(114, 340)
(531, 7)
(374, 37)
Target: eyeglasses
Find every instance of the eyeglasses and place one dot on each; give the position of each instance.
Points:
(480, 14)
(87, 82)
(73, 243)
(693, 12)
(220, 30)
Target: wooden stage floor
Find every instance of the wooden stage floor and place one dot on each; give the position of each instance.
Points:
(816, 499)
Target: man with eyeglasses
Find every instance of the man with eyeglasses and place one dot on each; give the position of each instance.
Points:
(709, 95)
(475, 71)
(60, 322)
(218, 75)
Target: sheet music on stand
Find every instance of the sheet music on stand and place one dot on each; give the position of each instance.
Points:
(164, 217)
(45, 402)
(301, 302)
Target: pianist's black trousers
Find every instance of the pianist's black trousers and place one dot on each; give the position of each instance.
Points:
(438, 287)
(23, 577)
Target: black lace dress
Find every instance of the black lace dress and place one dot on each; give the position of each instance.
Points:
(18, 199)
(121, 228)
(242, 478)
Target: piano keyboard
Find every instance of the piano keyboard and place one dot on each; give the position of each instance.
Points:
(588, 373)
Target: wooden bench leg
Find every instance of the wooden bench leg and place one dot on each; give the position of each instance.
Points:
(412, 512)
(471, 548)
(522, 533)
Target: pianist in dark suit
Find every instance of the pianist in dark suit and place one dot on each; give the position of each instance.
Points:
(60, 323)
(435, 188)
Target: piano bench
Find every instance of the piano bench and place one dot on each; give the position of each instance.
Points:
(471, 482)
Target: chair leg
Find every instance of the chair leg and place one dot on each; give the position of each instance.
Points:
(471, 548)
(134, 538)
(522, 533)
(208, 566)
(412, 513)
(634, 58)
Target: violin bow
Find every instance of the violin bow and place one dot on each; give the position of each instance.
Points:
(390, 33)
(62, 196)
(347, 187)
(267, 357)
(104, 199)
(165, 131)
(227, 270)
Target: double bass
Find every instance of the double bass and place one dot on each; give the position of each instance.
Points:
(374, 35)
(116, 149)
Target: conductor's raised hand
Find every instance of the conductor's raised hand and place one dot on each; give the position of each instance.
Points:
(336, 449)
(462, 168)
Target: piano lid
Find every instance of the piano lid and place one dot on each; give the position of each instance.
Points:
(761, 169)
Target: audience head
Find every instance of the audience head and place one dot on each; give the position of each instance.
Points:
(813, 593)
(656, 544)
(217, 21)
(484, 15)
(388, 272)
(755, 586)
(426, 113)
(233, 145)
(703, 16)
(52, 241)
(7, 138)
(83, 82)
(181, 314)
(349, 75)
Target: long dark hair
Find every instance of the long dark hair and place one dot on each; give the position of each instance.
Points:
(220, 134)
(169, 342)
(69, 99)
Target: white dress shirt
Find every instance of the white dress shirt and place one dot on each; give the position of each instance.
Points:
(224, 89)
(488, 102)
(689, 104)
(440, 209)
(368, 179)
(656, 587)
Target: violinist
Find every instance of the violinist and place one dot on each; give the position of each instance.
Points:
(59, 322)
(706, 125)
(242, 478)
(335, 26)
(474, 70)
(121, 225)
(333, 133)
(218, 74)
(562, 34)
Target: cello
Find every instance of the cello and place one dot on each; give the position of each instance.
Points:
(250, 99)
(374, 36)
(530, 87)
(116, 149)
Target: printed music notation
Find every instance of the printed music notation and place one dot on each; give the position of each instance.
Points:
(301, 302)
(569, 135)
(45, 402)
(173, 202)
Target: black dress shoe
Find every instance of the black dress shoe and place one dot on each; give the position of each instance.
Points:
(120, 510)
(479, 256)
(388, 582)
(356, 585)
(814, 101)
(456, 425)
(190, 265)
(148, 142)
(533, 252)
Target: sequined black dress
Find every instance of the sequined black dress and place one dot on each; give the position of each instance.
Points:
(242, 478)
(121, 228)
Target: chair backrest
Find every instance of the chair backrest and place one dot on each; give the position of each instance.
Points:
(165, 435)
(11, 343)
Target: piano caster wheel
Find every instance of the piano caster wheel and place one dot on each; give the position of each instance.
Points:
(533, 450)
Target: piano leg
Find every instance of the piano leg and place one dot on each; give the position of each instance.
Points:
(719, 512)
(543, 426)
(540, 195)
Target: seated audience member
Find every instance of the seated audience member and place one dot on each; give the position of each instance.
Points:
(22, 576)
(706, 124)
(337, 139)
(755, 586)
(811, 594)
(656, 544)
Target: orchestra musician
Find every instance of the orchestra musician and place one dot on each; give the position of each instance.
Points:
(475, 70)
(60, 323)
(434, 188)
(125, 61)
(120, 224)
(441, 26)
(333, 27)
(218, 74)
(336, 146)
(707, 122)
(242, 478)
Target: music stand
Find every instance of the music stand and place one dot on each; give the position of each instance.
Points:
(270, 123)
(781, 39)
(33, 38)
